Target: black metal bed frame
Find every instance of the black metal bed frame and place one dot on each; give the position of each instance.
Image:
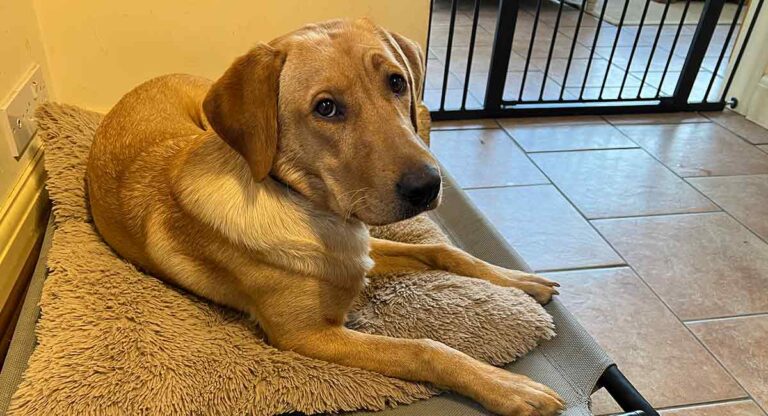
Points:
(624, 393)
(495, 106)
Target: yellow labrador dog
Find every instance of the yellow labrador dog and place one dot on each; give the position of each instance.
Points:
(255, 191)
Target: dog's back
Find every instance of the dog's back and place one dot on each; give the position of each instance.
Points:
(151, 123)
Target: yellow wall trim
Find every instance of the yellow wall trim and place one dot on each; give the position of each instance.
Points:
(22, 221)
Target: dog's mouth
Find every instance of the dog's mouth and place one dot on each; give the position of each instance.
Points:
(368, 206)
(397, 211)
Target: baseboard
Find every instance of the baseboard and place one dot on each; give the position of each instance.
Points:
(22, 222)
(758, 106)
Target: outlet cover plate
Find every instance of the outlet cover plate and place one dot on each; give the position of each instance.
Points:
(17, 112)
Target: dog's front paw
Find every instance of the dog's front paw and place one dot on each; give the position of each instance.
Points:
(538, 287)
(517, 395)
(542, 293)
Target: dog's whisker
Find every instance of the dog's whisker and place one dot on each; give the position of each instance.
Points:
(355, 203)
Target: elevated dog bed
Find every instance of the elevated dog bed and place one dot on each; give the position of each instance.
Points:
(155, 349)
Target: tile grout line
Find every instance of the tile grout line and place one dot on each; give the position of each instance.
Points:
(671, 123)
(741, 175)
(524, 185)
(581, 269)
(671, 214)
(583, 150)
(698, 404)
(437, 130)
(617, 125)
(725, 318)
(589, 219)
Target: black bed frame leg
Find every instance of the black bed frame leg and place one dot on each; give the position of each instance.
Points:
(624, 393)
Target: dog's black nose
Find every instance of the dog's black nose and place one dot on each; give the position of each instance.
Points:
(419, 187)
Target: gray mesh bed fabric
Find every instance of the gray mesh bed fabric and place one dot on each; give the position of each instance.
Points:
(24, 341)
(570, 363)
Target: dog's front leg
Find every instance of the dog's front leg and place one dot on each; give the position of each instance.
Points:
(305, 329)
(306, 315)
(425, 360)
(391, 256)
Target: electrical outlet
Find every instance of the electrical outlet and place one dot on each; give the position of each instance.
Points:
(17, 113)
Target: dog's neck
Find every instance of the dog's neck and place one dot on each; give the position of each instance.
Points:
(269, 217)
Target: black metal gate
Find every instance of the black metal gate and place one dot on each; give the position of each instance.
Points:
(502, 58)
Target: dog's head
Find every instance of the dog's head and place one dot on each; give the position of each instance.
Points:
(332, 110)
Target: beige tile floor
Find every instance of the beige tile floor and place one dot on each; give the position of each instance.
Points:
(657, 228)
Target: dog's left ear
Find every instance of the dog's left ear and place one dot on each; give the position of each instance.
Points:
(409, 52)
(242, 107)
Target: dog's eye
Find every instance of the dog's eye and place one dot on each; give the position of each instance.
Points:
(397, 83)
(326, 108)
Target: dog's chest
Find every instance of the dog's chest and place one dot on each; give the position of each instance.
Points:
(347, 250)
(269, 222)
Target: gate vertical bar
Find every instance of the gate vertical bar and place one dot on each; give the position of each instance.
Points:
(551, 50)
(726, 43)
(592, 50)
(673, 48)
(697, 51)
(502, 49)
(573, 47)
(634, 48)
(470, 54)
(531, 45)
(613, 50)
(743, 48)
(653, 49)
(446, 71)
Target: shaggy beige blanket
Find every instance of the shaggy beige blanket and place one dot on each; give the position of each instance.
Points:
(112, 340)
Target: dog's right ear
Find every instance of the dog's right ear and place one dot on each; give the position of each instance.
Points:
(242, 107)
